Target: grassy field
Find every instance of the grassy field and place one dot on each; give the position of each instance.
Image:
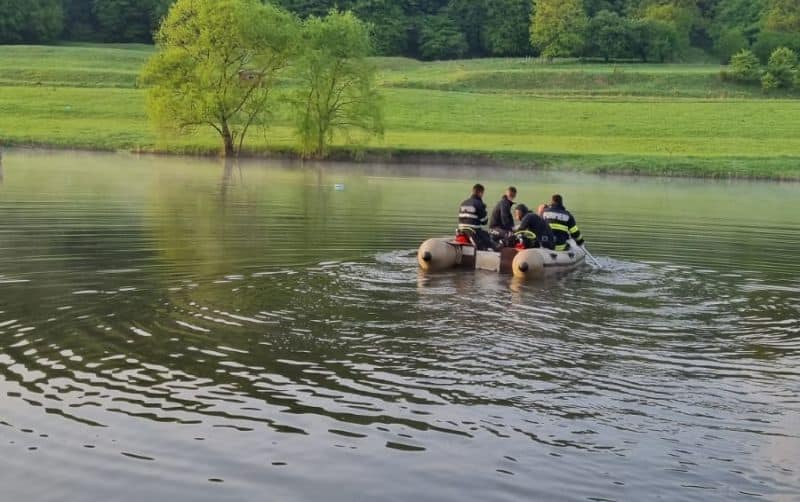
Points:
(659, 119)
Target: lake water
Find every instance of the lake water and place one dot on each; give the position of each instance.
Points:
(174, 330)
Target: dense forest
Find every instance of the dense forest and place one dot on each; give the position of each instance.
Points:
(647, 30)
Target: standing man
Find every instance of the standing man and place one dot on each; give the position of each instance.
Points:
(533, 231)
(562, 222)
(501, 224)
(472, 217)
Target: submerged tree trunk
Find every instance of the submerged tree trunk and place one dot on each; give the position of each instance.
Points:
(228, 141)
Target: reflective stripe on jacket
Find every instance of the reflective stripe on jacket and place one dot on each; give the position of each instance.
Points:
(562, 223)
(472, 214)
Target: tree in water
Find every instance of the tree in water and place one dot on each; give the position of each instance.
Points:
(216, 66)
(558, 27)
(337, 92)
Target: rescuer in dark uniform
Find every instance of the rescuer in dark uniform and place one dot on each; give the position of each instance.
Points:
(533, 231)
(562, 223)
(472, 217)
(501, 224)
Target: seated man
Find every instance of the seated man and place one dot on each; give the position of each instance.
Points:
(562, 223)
(532, 231)
(472, 217)
(501, 224)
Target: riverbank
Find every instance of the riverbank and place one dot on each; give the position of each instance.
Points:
(679, 120)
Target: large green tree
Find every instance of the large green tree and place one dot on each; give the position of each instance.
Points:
(470, 16)
(30, 21)
(216, 65)
(391, 27)
(655, 40)
(741, 15)
(682, 15)
(79, 20)
(558, 27)
(128, 20)
(782, 16)
(507, 29)
(441, 38)
(336, 94)
(610, 36)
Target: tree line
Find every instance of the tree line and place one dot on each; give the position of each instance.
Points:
(648, 30)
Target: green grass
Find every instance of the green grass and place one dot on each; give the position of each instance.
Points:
(657, 119)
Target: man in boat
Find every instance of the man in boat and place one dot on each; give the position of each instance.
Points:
(562, 223)
(532, 231)
(472, 217)
(501, 224)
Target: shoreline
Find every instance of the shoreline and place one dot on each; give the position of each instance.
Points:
(671, 167)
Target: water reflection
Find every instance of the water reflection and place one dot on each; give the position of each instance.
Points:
(251, 327)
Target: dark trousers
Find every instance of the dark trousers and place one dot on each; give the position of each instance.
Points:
(503, 236)
(483, 240)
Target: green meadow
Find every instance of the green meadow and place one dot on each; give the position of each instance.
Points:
(629, 118)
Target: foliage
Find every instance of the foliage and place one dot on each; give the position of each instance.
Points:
(471, 28)
(470, 16)
(729, 43)
(586, 115)
(507, 27)
(391, 28)
(440, 38)
(30, 21)
(769, 82)
(610, 36)
(745, 67)
(738, 15)
(337, 91)
(769, 41)
(128, 20)
(782, 16)
(594, 7)
(216, 66)
(781, 70)
(681, 16)
(558, 27)
(655, 40)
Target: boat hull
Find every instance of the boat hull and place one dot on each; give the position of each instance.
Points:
(436, 255)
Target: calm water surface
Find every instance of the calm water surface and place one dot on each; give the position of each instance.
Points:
(174, 330)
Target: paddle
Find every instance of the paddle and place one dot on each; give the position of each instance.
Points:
(592, 258)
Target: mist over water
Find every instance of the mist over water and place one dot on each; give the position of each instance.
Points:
(174, 329)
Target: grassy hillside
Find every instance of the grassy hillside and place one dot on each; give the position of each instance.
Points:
(671, 119)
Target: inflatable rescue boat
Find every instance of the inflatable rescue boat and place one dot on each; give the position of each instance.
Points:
(436, 255)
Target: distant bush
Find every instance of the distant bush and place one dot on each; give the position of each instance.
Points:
(745, 67)
(730, 43)
(768, 41)
(781, 70)
(769, 82)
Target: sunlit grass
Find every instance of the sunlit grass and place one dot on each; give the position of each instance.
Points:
(676, 119)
